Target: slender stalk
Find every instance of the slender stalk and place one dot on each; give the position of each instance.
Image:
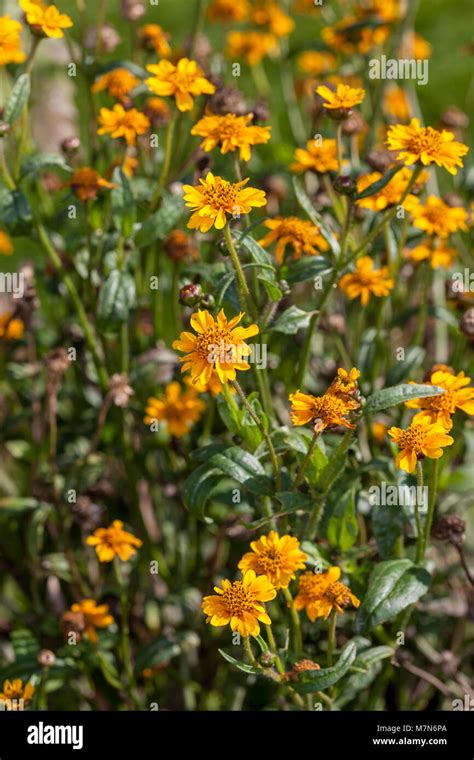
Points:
(166, 165)
(433, 490)
(331, 638)
(295, 621)
(274, 648)
(339, 146)
(249, 652)
(4, 171)
(420, 544)
(125, 634)
(239, 271)
(305, 461)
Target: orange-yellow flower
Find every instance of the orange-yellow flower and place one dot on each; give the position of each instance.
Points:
(314, 62)
(86, 184)
(231, 132)
(415, 46)
(303, 236)
(442, 407)
(379, 431)
(239, 603)
(215, 198)
(228, 10)
(435, 217)
(438, 253)
(323, 411)
(268, 13)
(344, 97)
(347, 37)
(153, 37)
(10, 44)
(10, 327)
(318, 157)
(45, 21)
(366, 281)
(390, 195)
(6, 245)
(119, 83)
(345, 384)
(14, 690)
(277, 557)
(321, 593)
(158, 111)
(385, 10)
(396, 104)
(421, 439)
(184, 82)
(218, 345)
(95, 616)
(213, 386)
(113, 542)
(425, 145)
(251, 46)
(179, 408)
(117, 122)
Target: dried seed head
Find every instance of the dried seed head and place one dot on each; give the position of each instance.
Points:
(467, 323)
(120, 390)
(227, 99)
(354, 125)
(455, 118)
(73, 622)
(450, 528)
(46, 658)
(109, 37)
(87, 514)
(132, 10)
(379, 159)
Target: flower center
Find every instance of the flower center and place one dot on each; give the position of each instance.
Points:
(222, 195)
(215, 344)
(413, 438)
(339, 593)
(445, 402)
(238, 600)
(328, 407)
(428, 139)
(270, 561)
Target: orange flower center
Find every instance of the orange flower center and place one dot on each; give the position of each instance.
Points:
(221, 195)
(428, 139)
(445, 402)
(269, 561)
(413, 438)
(215, 339)
(338, 593)
(238, 600)
(328, 407)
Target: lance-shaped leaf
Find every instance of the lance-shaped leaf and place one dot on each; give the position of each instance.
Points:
(240, 665)
(318, 680)
(376, 187)
(292, 320)
(387, 397)
(17, 99)
(315, 217)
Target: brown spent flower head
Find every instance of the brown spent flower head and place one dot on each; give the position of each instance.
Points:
(132, 10)
(86, 184)
(178, 246)
(450, 528)
(120, 390)
(301, 667)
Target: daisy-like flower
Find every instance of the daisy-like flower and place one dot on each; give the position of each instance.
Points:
(425, 145)
(215, 198)
(240, 604)
(213, 386)
(385, 10)
(421, 439)
(396, 104)
(250, 46)
(439, 254)
(114, 541)
(6, 245)
(158, 111)
(389, 195)
(323, 411)
(10, 327)
(345, 384)
(348, 36)
(303, 236)
(117, 122)
(268, 13)
(442, 407)
(179, 408)
(10, 44)
(277, 557)
(86, 183)
(379, 431)
(435, 217)
(366, 281)
(344, 98)
(219, 345)
(119, 83)
(415, 46)
(231, 132)
(228, 10)
(14, 690)
(315, 62)
(184, 82)
(95, 616)
(321, 593)
(317, 157)
(45, 20)
(153, 37)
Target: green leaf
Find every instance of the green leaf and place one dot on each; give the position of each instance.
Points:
(319, 680)
(17, 505)
(294, 501)
(240, 665)
(160, 224)
(376, 187)
(292, 320)
(387, 397)
(273, 291)
(17, 99)
(198, 489)
(243, 468)
(14, 208)
(387, 524)
(36, 164)
(315, 217)
(402, 369)
(393, 585)
(155, 653)
(342, 527)
(307, 268)
(116, 299)
(123, 203)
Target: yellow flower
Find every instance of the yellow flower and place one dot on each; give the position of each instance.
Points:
(121, 123)
(118, 83)
(158, 111)
(385, 10)
(228, 10)
(95, 616)
(86, 183)
(183, 82)
(114, 541)
(178, 408)
(321, 593)
(435, 217)
(230, 132)
(366, 281)
(153, 37)
(348, 38)
(379, 431)
(319, 158)
(10, 50)
(390, 195)
(219, 345)
(14, 690)
(6, 245)
(439, 254)
(345, 385)
(45, 21)
(420, 439)
(251, 46)
(426, 145)
(441, 408)
(396, 103)
(10, 328)
(415, 46)
(268, 13)
(129, 166)
(344, 97)
(314, 62)
(302, 235)
(213, 385)
(239, 603)
(277, 557)
(215, 198)
(322, 411)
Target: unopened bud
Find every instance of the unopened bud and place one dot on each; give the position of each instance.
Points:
(345, 185)
(190, 294)
(46, 658)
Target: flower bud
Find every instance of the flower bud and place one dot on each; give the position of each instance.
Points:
(345, 185)
(207, 301)
(267, 659)
(70, 145)
(190, 294)
(46, 658)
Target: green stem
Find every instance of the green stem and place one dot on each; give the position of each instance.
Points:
(420, 543)
(239, 271)
(433, 490)
(305, 461)
(331, 638)
(7, 177)
(274, 648)
(250, 654)
(166, 165)
(125, 634)
(339, 146)
(295, 621)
